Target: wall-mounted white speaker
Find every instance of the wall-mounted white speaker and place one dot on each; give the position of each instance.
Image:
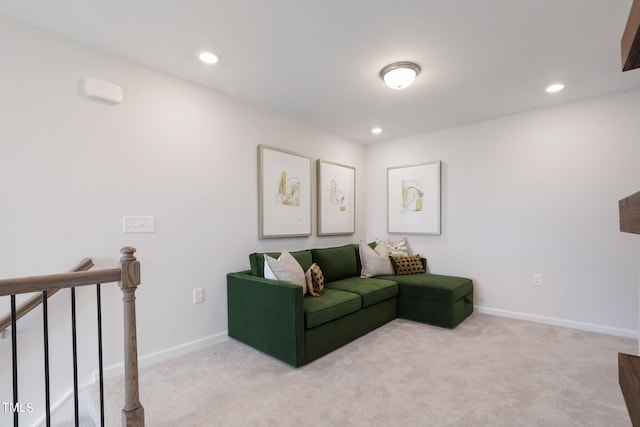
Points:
(105, 91)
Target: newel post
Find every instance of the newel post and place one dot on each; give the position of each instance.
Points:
(133, 412)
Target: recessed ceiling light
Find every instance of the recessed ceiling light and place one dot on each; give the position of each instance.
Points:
(208, 57)
(376, 130)
(399, 74)
(556, 87)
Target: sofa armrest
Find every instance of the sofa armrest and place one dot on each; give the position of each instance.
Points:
(267, 314)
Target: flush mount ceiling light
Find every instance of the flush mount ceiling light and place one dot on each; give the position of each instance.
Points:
(208, 57)
(376, 131)
(399, 74)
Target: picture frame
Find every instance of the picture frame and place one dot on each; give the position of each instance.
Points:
(336, 198)
(414, 198)
(284, 193)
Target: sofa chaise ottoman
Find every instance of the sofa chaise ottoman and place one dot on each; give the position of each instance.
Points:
(434, 299)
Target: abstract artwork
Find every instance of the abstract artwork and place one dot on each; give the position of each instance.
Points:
(288, 190)
(336, 198)
(413, 199)
(284, 193)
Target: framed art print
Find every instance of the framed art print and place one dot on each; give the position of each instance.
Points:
(284, 193)
(413, 199)
(336, 198)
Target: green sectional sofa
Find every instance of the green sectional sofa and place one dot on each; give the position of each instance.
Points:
(274, 316)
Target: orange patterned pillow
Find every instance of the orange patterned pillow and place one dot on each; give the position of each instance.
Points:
(407, 265)
(315, 280)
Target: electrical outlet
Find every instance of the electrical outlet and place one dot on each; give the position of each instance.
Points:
(139, 224)
(537, 279)
(198, 295)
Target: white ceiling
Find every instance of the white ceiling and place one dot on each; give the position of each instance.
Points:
(317, 61)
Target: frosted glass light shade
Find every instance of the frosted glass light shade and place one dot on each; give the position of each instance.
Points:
(399, 74)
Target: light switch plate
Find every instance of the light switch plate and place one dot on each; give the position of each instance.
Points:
(537, 279)
(198, 295)
(139, 224)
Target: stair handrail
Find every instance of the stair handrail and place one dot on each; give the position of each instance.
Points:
(128, 278)
(28, 305)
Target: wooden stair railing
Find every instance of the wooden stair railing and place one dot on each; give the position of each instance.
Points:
(36, 300)
(128, 277)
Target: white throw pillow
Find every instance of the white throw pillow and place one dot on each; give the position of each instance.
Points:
(285, 269)
(400, 248)
(376, 261)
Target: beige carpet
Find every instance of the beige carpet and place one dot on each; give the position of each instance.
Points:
(489, 371)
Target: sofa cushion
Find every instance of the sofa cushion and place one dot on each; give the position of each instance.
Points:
(331, 305)
(432, 286)
(256, 260)
(371, 290)
(337, 262)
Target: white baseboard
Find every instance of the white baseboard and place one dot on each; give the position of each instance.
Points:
(63, 409)
(583, 326)
(57, 406)
(168, 353)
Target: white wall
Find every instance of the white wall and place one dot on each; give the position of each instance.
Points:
(70, 168)
(533, 193)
